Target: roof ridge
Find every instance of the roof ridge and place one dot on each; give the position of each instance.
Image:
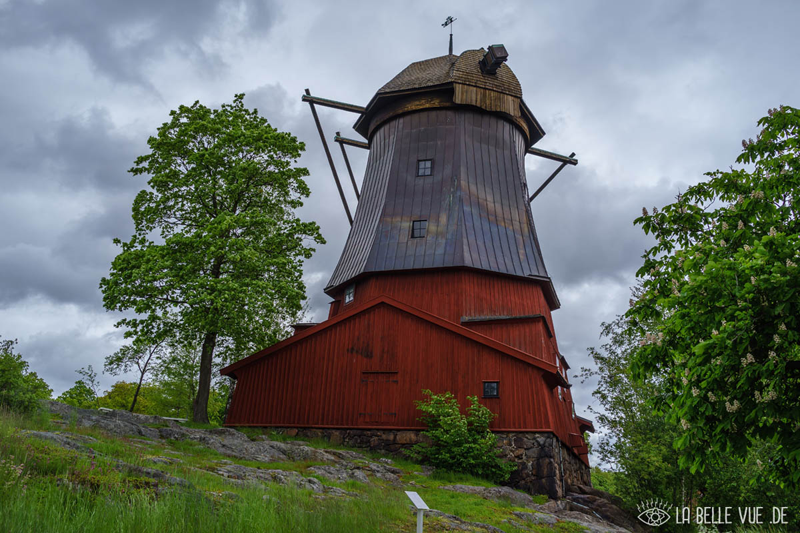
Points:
(458, 329)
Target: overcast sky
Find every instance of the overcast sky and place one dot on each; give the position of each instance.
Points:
(648, 94)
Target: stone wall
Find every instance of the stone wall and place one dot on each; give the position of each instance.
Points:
(545, 464)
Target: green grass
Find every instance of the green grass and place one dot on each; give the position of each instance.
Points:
(60, 490)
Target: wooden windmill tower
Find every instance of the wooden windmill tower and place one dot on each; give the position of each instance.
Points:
(441, 284)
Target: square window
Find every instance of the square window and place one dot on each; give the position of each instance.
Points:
(349, 294)
(491, 389)
(424, 167)
(418, 229)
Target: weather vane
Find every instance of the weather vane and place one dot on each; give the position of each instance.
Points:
(449, 22)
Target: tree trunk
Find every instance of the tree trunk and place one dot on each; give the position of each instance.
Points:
(136, 394)
(200, 408)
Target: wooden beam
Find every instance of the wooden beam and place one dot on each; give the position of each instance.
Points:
(334, 104)
(351, 142)
(349, 170)
(330, 159)
(553, 156)
(548, 180)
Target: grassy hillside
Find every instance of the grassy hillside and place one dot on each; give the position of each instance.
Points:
(57, 475)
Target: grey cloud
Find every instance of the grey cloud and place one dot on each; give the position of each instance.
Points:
(30, 271)
(586, 228)
(69, 269)
(55, 356)
(121, 38)
(73, 152)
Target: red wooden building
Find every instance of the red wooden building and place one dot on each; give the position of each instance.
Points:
(441, 284)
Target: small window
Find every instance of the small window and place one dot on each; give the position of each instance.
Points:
(349, 294)
(491, 389)
(418, 229)
(424, 167)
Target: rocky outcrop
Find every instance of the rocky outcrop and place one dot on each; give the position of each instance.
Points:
(604, 505)
(544, 464)
(536, 453)
(515, 497)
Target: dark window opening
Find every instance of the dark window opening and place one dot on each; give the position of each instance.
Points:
(424, 167)
(491, 389)
(349, 294)
(418, 229)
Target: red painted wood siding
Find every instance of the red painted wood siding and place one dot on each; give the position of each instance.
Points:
(369, 369)
(455, 293)
(530, 336)
(317, 381)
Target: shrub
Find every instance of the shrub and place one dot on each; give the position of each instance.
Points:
(458, 442)
(20, 389)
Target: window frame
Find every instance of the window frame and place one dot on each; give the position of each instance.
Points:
(424, 229)
(351, 291)
(430, 168)
(496, 382)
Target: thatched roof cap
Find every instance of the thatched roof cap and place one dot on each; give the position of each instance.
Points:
(447, 81)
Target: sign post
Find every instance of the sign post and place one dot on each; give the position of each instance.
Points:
(421, 507)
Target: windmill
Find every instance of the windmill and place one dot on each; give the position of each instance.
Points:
(441, 284)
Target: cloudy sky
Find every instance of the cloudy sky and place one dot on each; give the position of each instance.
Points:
(649, 95)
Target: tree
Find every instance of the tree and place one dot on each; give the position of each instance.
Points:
(723, 280)
(637, 443)
(20, 389)
(460, 443)
(228, 262)
(84, 393)
(140, 354)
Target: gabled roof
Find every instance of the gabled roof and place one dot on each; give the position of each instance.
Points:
(585, 424)
(552, 376)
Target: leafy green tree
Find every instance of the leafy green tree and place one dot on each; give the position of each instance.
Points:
(20, 389)
(724, 281)
(120, 396)
(84, 393)
(140, 354)
(637, 443)
(79, 395)
(458, 442)
(218, 247)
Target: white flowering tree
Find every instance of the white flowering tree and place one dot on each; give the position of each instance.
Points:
(723, 283)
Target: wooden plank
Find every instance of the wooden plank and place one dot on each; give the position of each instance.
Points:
(343, 106)
(330, 159)
(553, 156)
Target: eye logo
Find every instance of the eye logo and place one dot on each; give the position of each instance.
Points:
(654, 512)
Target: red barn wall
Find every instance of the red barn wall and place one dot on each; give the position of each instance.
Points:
(454, 293)
(379, 361)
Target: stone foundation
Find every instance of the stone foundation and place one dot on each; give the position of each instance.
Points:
(545, 464)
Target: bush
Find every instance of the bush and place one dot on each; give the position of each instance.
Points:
(460, 443)
(20, 389)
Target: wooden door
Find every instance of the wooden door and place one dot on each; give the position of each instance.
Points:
(378, 399)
